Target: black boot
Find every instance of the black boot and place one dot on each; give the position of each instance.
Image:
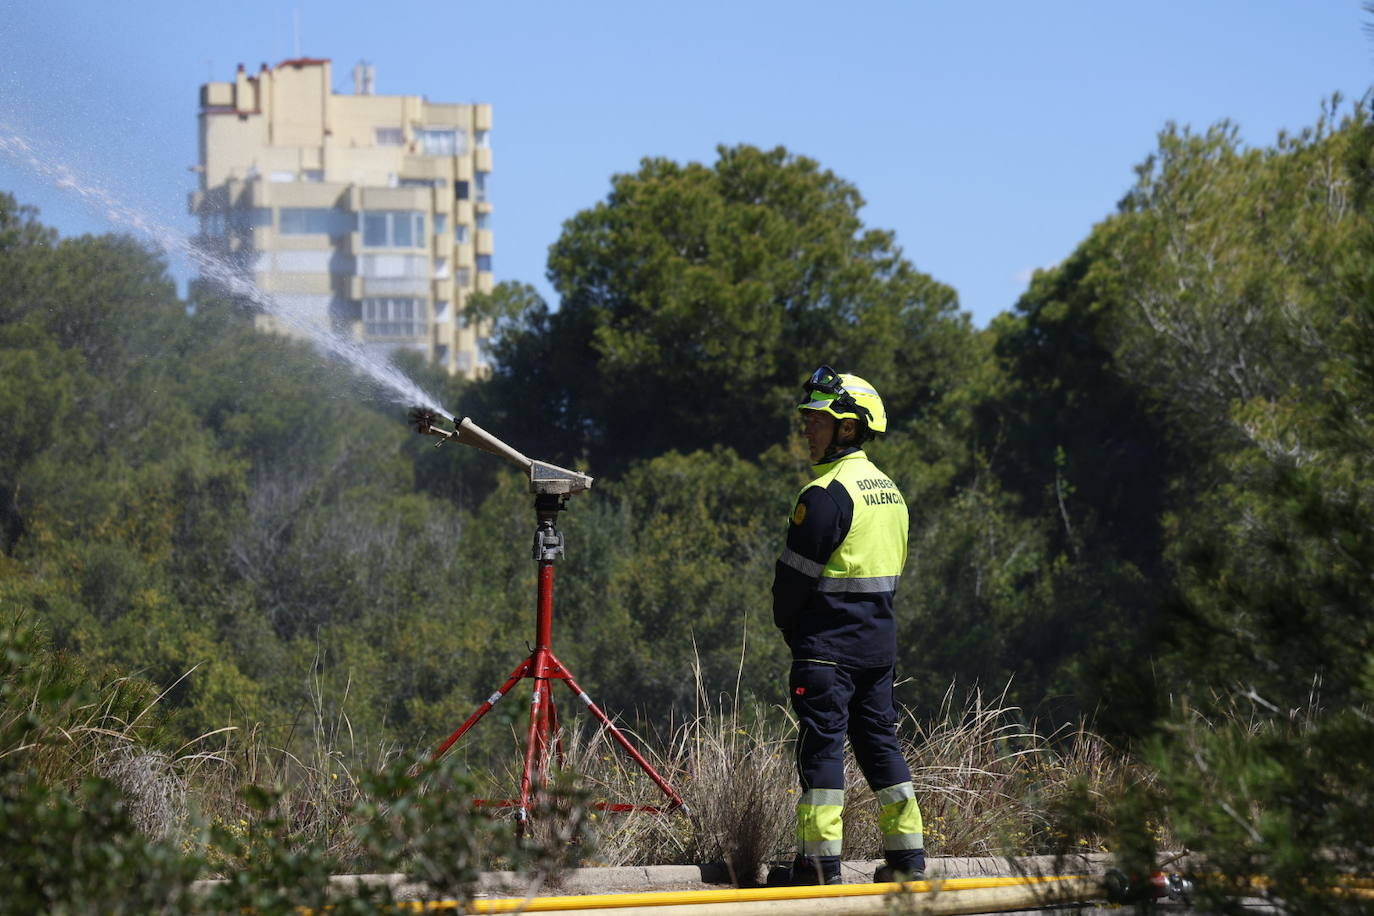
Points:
(908, 866)
(806, 871)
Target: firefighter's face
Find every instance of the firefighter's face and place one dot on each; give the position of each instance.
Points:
(819, 430)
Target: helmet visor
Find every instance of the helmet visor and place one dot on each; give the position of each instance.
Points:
(824, 379)
(824, 391)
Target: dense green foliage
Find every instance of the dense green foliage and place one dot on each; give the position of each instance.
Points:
(95, 821)
(1141, 496)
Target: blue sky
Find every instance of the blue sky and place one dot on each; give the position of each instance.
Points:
(989, 136)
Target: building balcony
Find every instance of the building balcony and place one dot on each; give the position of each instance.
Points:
(373, 287)
(427, 168)
(396, 199)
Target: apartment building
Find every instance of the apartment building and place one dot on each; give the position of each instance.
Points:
(364, 214)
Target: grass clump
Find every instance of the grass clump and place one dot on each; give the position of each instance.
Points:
(99, 814)
(989, 784)
(102, 811)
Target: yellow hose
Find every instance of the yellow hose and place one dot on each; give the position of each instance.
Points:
(680, 902)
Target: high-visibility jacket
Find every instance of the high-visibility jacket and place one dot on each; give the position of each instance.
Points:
(833, 586)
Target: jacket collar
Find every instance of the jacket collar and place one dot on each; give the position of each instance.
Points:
(845, 455)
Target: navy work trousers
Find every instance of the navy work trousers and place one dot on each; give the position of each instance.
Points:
(833, 700)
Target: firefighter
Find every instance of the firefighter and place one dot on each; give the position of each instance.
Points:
(832, 598)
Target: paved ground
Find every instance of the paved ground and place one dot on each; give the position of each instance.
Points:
(639, 879)
(628, 879)
(695, 877)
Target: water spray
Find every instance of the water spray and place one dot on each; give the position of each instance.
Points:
(385, 377)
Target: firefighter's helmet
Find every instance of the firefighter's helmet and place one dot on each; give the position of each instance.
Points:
(844, 397)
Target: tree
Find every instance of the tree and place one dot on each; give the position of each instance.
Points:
(39, 388)
(1226, 258)
(23, 243)
(694, 299)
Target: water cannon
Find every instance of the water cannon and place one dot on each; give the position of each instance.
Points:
(545, 479)
(551, 486)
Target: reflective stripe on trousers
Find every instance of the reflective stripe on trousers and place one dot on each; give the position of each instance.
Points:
(867, 585)
(899, 818)
(820, 828)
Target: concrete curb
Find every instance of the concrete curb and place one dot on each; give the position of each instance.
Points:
(630, 879)
(627, 879)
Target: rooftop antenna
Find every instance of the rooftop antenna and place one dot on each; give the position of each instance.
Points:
(364, 76)
(552, 486)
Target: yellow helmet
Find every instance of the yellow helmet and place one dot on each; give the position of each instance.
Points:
(844, 397)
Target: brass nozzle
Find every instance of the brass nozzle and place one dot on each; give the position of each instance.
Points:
(422, 418)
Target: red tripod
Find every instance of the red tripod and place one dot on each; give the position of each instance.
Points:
(542, 666)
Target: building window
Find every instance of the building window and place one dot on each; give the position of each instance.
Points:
(439, 141)
(394, 266)
(314, 221)
(480, 179)
(244, 218)
(460, 233)
(212, 224)
(281, 176)
(460, 190)
(440, 223)
(392, 228)
(394, 274)
(306, 262)
(441, 268)
(482, 139)
(484, 263)
(441, 310)
(393, 317)
(483, 220)
(389, 136)
(315, 176)
(462, 277)
(420, 183)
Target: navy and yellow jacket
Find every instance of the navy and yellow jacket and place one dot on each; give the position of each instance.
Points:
(846, 546)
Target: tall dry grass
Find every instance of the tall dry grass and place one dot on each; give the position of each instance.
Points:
(987, 781)
(61, 735)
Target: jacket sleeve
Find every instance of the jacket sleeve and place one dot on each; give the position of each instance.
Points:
(816, 528)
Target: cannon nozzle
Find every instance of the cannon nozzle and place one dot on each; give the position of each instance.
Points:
(422, 418)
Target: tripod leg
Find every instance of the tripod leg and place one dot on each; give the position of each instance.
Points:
(620, 739)
(522, 671)
(534, 749)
